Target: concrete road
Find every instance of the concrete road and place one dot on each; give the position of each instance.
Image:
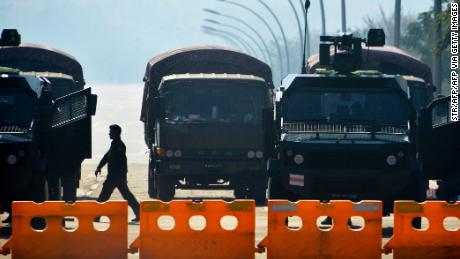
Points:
(90, 188)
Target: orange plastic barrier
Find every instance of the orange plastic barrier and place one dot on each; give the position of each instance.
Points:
(435, 241)
(54, 241)
(183, 242)
(308, 241)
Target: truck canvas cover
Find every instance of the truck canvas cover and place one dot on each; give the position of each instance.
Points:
(200, 59)
(388, 60)
(38, 58)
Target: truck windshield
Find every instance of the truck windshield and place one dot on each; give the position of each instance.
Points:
(350, 106)
(214, 102)
(17, 108)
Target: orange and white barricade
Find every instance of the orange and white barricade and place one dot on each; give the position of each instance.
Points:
(167, 230)
(311, 240)
(440, 238)
(83, 239)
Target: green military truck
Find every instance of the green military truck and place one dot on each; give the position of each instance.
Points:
(345, 134)
(208, 122)
(45, 122)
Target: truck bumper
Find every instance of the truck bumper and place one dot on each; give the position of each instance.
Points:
(212, 170)
(345, 184)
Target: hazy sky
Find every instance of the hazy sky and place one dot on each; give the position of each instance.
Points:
(114, 39)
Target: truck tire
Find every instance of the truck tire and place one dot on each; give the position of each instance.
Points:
(166, 189)
(70, 184)
(38, 192)
(152, 189)
(275, 189)
(259, 191)
(240, 193)
(260, 196)
(54, 187)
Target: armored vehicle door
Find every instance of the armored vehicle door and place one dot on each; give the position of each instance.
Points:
(439, 140)
(69, 141)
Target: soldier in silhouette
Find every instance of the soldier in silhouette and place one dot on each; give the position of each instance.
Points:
(117, 165)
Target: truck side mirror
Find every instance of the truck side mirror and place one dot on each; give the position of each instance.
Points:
(158, 107)
(278, 110)
(324, 52)
(92, 104)
(267, 116)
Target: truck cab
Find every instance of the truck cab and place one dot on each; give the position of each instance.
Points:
(21, 99)
(210, 132)
(208, 114)
(345, 135)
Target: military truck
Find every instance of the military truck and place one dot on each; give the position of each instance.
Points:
(208, 122)
(440, 146)
(345, 134)
(45, 128)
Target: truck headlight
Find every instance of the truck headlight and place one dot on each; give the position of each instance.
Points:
(177, 153)
(259, 154)
(11, 159)
(298, 159)
(169, 153)
(391, 160)
(251, 154)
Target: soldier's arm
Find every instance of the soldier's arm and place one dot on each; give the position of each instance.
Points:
(103, 161)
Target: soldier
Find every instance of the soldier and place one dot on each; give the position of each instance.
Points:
(117, 171)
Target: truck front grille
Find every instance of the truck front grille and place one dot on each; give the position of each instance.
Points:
(12, 129)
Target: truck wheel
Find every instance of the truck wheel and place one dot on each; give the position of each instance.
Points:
(38, 192)
(152, 189)
(165, 189)
(259, 191)
(275, 189)
(259, 195)
(70, 184)
(54, 187)
(240, 193)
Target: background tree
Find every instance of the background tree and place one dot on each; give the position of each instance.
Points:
(419, 40)
(417, 35)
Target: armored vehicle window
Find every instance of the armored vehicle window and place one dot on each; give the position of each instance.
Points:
(418, 94)
(62, 86)
(347, 106)
(440, 114)
(17, 107)
(214, 101)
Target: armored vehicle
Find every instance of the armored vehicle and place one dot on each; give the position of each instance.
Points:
(345, 134)
(440, 146)
(45, 123)
(208, 121)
